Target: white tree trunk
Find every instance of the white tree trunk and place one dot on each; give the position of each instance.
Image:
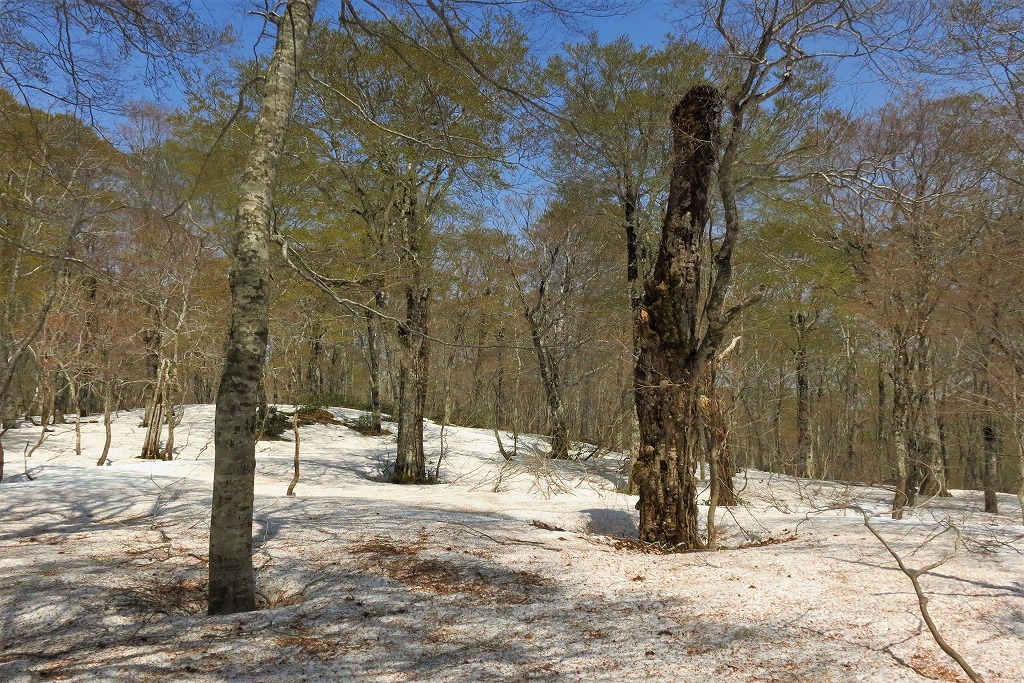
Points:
(232, 584)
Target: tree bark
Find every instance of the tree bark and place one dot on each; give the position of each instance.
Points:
(803, 420)
(906, 488)
(373, 355)
(990, 441)
(232, 584)
(295, 463)
(414, 357)
(989, 473)
(108, 402)
(671, 355)
(934, 481)
(552, 385)
(156, 414)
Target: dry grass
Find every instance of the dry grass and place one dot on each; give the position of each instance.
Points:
(404, 563)
(177, 593)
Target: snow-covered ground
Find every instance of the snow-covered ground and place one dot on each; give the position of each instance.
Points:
(102, 572)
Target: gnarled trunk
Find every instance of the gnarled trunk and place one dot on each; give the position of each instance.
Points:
(671, 353)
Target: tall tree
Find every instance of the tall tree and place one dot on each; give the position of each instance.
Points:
(232, 584)
(398, 126)
(913, 224)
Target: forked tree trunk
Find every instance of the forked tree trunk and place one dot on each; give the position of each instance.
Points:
(157, 414)
(671, 355)
(232, 587)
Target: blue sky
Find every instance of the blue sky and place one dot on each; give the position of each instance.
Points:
(645, 23)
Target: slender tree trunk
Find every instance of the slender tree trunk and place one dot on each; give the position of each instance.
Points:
(777, 419)
(671, 356)
(374, 367)
(295, 463)
(850, 405)
(175, 415)
(1019, 433)
(232, 586)
(803, 419)
(108, 403)
(77, 409)
(989, 475)
(881, 416)
(478, 374)
(49, 397)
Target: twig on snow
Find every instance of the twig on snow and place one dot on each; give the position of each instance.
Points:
(922, 600)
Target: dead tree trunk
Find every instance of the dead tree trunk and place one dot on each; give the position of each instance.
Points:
(671, 353)
(232, 586)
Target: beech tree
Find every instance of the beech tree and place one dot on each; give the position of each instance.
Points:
(397, 130)
(232, 584)
(912, 226)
